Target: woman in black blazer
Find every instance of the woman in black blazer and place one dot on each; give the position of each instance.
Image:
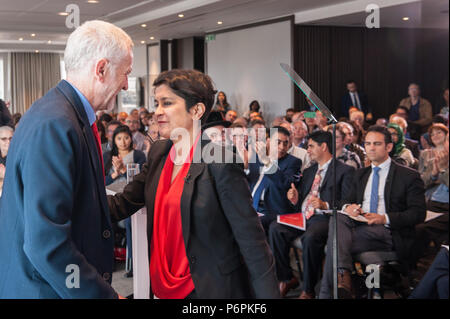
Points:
(205, 239)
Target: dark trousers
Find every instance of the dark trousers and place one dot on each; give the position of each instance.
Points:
(434, 284)
(313, 243)
(435, 230)
(353, 238)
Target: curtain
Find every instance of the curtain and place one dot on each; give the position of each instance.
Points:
(32, 75)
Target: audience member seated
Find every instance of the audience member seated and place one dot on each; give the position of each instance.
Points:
(412, 145)
(438, 134)
(277, 121)
(143, 121)
(5, 115)
(439, 118)
(294, 150)
(349, 141)
(391, 198)
(435, 173)
(140, 141)
(425, 141)
(16, 119)
(215, 126)
(311, 122)
(356, 99)
(110, 128)
(434, 285)
(153, 133)
(241, 121)
(231, 116)
(6, 133)
(270, 177)
(420, 109)
(289, 113)
(444, 111)
(381, 122)
(314, 194)
(300, 131)
(105, 119)
(101, 133)
(358, 118)
(236, 139)
(221, 103)
(321, 120)
(400, 153)
(252, 107)
(121, 117)
(344, 155)
(121, 154)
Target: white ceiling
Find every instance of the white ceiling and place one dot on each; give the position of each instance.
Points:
(20, 18)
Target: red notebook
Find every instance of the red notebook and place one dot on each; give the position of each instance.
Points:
(296, 220)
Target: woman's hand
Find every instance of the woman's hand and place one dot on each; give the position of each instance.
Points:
(119, 168)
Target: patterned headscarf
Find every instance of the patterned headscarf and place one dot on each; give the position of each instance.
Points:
(400, 145)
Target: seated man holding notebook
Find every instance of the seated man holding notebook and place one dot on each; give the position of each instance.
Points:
(391, 199)
(314, 194)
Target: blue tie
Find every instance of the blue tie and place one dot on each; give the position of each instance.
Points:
(374, 193)
(258, 193)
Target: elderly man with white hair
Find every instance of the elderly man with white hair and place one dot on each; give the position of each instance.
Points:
(56, 237)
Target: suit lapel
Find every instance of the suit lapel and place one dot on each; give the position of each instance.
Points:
(66, 89)
(388, 186)
(157, 157)
(186, 198)
(364, 180)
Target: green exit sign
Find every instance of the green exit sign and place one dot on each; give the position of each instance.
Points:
(210, 37)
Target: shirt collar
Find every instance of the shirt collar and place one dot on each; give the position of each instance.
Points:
(87, 106)
(385, 165)
(325, 166)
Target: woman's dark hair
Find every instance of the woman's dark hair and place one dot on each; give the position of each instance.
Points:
(382, 130)
(225, 102)
(118, 130)
(321, 137)
(102, 130)
(114, 150)
(191, 85)
(106, 117)
(254, 102)
(16, 118)
(357, 132)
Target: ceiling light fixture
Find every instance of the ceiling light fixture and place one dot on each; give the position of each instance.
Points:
(63, 13)
(20, 39)
(33, 34)
(181, 15)
(49, 41)
(36, 51)
(152, 38)
(405, 18)
(92, 1)
(219, 22)
(143, 25)
(142, 42)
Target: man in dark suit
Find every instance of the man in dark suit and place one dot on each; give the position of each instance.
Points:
(355, 98)
(55, 231)
(314, 194)
(391, 198)
(271, 176)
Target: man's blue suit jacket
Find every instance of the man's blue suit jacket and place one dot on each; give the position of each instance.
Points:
(56, 238)
(275, 197)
